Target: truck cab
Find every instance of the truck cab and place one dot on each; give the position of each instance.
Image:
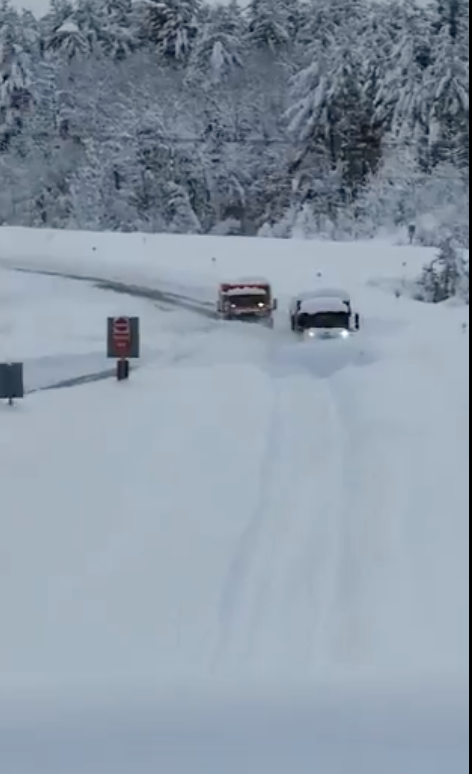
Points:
(246, 299)
(324, 318)
(329, 298)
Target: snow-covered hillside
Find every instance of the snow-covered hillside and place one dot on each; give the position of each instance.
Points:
(247, 511)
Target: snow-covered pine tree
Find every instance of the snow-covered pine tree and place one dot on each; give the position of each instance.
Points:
(59, 11)
(120, 11)
(88, 18)
(218, 52)
(120, 31)
(27, 33)
(342, 16)
(446, 277)
(330, 116)
(100, 27)
(448, 82)
(217, 57)
(389, 200)
(15, 81)
(320, 23)
(453, 15)
(403, 102)
(86, 200)
(106, 25)
(292, 15)
(381, 37)
(171, 25)
(68, 41)
(267, 25)
(355, 142)
(181, 217)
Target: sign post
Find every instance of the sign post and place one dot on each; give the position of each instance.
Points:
(123, 343)
(11, 382)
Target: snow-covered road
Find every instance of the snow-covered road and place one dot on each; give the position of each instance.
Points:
(248, 509)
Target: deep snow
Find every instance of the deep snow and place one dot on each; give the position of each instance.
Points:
(334, 732)
(247, 511)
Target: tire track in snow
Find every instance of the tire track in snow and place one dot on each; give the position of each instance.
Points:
(250, 539)
(288, 561)
(362, 628)
(340, 628)
(167, 297)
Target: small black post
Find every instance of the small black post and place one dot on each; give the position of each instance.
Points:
(122, 370)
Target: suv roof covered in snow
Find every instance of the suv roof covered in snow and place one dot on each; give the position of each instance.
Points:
(322, 306)
(332, 293)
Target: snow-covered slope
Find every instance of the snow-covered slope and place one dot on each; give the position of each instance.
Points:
(248, 509)
(198, 263)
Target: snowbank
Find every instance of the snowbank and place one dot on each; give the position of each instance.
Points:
(199, 263)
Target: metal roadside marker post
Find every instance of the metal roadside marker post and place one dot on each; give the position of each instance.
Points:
(123, 343)
(11, 382)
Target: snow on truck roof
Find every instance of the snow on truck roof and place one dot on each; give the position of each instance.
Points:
(332, 293)
(246, 282)
(324, 293)
(319, 293)
(245, 286)
(246, 290)
(322, 305)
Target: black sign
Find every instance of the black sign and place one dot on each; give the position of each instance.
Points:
(11, 381)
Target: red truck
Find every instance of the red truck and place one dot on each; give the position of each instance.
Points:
(247, 299)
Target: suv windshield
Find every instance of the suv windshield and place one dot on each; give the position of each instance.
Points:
(324, 320)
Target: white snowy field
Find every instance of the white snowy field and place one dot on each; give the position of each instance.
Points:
(57, 328)
(247, 511)
(196, 265)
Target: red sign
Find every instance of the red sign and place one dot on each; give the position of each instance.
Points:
(122, 336)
